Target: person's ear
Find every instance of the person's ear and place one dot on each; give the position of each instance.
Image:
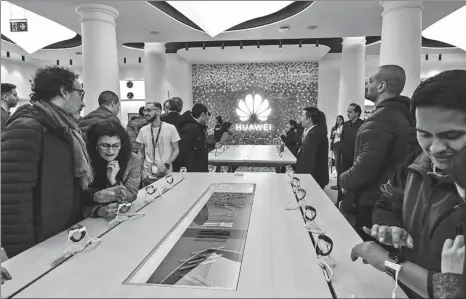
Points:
(382, 86)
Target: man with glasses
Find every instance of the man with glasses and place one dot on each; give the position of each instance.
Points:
(45, 165)
(8, 101)
(158, 145)
(109, 107)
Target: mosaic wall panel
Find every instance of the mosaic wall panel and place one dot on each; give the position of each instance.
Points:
(288, 87)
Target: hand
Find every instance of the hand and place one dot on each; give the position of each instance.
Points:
(5, 274)
(370, 253)
(109, 210)
(112, 194)
(343, 191)
(390, 235)
(453, 255)
(112, 170)
(162, 170)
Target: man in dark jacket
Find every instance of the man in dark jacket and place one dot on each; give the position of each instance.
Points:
(193, 149)
(174, 106)
(420, 207)
(109, 107)
(133, 128)
(348, 140)
(8, 101)
(44, 162)
(312, 156)
(382, 142)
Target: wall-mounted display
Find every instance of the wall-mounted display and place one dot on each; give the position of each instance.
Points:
(257, 98)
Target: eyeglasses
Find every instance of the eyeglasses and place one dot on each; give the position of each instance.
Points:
(81, 92)
(150, 110)
(106, 146)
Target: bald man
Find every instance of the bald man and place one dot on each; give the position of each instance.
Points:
(382, 142)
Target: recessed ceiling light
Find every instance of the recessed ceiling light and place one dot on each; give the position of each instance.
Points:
(283, 28)
(154, 32)
(312, 27)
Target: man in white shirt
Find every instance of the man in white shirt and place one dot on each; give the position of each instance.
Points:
(159, 144)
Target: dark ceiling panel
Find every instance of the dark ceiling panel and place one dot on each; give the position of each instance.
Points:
(65, 44)
(286, 12)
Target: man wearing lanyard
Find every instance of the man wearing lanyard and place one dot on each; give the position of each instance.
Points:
(158, 145)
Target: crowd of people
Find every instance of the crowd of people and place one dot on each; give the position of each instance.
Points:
(400, 174)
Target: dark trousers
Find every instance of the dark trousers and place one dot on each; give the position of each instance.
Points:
(363, 218)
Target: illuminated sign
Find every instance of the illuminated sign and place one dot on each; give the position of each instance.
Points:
(253, 127)
(254, 109)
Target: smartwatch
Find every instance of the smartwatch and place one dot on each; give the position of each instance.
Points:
(166, 165)
(393, 264)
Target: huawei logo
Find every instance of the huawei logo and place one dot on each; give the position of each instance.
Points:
(253, 108)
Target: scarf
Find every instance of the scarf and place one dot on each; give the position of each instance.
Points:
(61, 119)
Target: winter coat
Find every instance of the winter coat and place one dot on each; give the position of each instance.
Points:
(382, 142)
(426, 205)
(133, 128)
(193, 149)
(40, 195)
(131, 179)
(99, 115)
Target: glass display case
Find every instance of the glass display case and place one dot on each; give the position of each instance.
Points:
(205, 249)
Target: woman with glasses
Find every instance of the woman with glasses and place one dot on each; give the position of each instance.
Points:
(117, 171)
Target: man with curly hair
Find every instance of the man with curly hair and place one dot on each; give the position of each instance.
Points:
(45, 165)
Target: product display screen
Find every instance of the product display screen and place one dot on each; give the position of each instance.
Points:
(209, 250)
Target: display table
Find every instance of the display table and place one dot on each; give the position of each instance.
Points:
(251, 155)
(277, 255)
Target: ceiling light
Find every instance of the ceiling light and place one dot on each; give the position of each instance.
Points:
(41, 31)
(203, 46)
(223, 46)
(283, 28)
(258, 44)
(186, 47)
(241, 45)
(215, 17)
(312, 27)
(153, 32)
(450, 29)
(300, 43)
(280, 44)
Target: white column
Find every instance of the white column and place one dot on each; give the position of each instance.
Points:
(401, 39)
(179, 79)
(155, 72)
(352, 74)
(99, 47)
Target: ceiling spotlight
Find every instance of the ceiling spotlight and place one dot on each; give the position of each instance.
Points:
(153, 32)
(283, 28)
(258, 44)
(23, 58)
(186, 47)
(280, 44)
(203, 46)
(124, 60)
(139, 59)
(427, 56)
(71, 61)
(312, 27)
(317, 43)
(7, 54)
(223, 46)
(241, 45)
(440, 57)
(300, 43)
(58, 62)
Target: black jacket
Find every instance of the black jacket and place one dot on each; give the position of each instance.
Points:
(427, 206)
(101, 114)
(193, 150)
(347, 141)
(382, 142)
(313, 156)
(172, 118)
(40, 195)
(290, 141)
